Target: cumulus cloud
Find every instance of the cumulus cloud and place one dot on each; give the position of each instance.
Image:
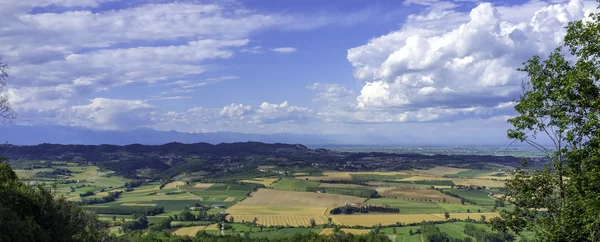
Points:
(284, 50)
(429, 71)
(109, 114)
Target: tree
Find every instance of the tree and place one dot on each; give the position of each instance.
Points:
(7, 113)
(446, 215)
(254, 221)
(560, 101)
(482, 218)
(329, 220)
(312, 223)
(394, 230)
(31, 213)
(231, 219)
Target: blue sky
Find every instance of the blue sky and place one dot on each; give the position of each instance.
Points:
(420, 68)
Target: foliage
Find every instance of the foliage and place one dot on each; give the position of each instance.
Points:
(480, 234)
(561, 101)
(203, 236)
(111, 197)
(129, 210)
(33, 214)
(363, 209)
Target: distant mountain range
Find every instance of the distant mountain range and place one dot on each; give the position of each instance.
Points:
(33, 135)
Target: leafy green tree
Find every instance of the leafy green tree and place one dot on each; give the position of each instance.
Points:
(561, 101)
(446, 215)
(33, 214)
(313, 223)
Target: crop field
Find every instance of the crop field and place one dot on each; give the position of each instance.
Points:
(202, 186)
(329, 176)
(278, 210)
(467, 174)
(329, 231)
(408, 206)
(291, 184)
(464, 216)
(480, 197)
(174, 184)
(440, 171)
(339, 185)
(270, 197)
(456, 181)
(285, 232)
(264, 181)
(417, 194)
(283, 220)
(377, 177)
(193, 230)
(384, 219)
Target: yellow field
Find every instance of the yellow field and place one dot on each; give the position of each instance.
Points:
(329, 231)
(417, 194)
(203, 186)
(283, 220)
(174, 184)
(264, 181)
(275, 210)
(480, 182)
(138, 204)
(329, 176)
(229, 199)
(440, 171)
(193, 230)
(301, 174)
(270, 197)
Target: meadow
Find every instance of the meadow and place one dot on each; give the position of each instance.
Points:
(285, 202)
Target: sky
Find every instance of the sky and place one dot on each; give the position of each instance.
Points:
(443, 70)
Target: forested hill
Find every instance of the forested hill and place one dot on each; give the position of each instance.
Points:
(97, 152)
(179, 157)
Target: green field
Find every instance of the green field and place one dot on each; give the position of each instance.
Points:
(480, 197)
(292, 184)
(376, 177)
(285, 232)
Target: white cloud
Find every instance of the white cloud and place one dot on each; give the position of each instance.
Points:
(109, 114)
(447, 65)
(284, 50)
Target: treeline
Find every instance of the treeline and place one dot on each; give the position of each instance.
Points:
(367, 193)
(237, 237)
(111, 197)
(138, 224)
(133, 184)
(129, 210)
(56, 173)
(186, 215)
(364, 209)
(462, 199)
